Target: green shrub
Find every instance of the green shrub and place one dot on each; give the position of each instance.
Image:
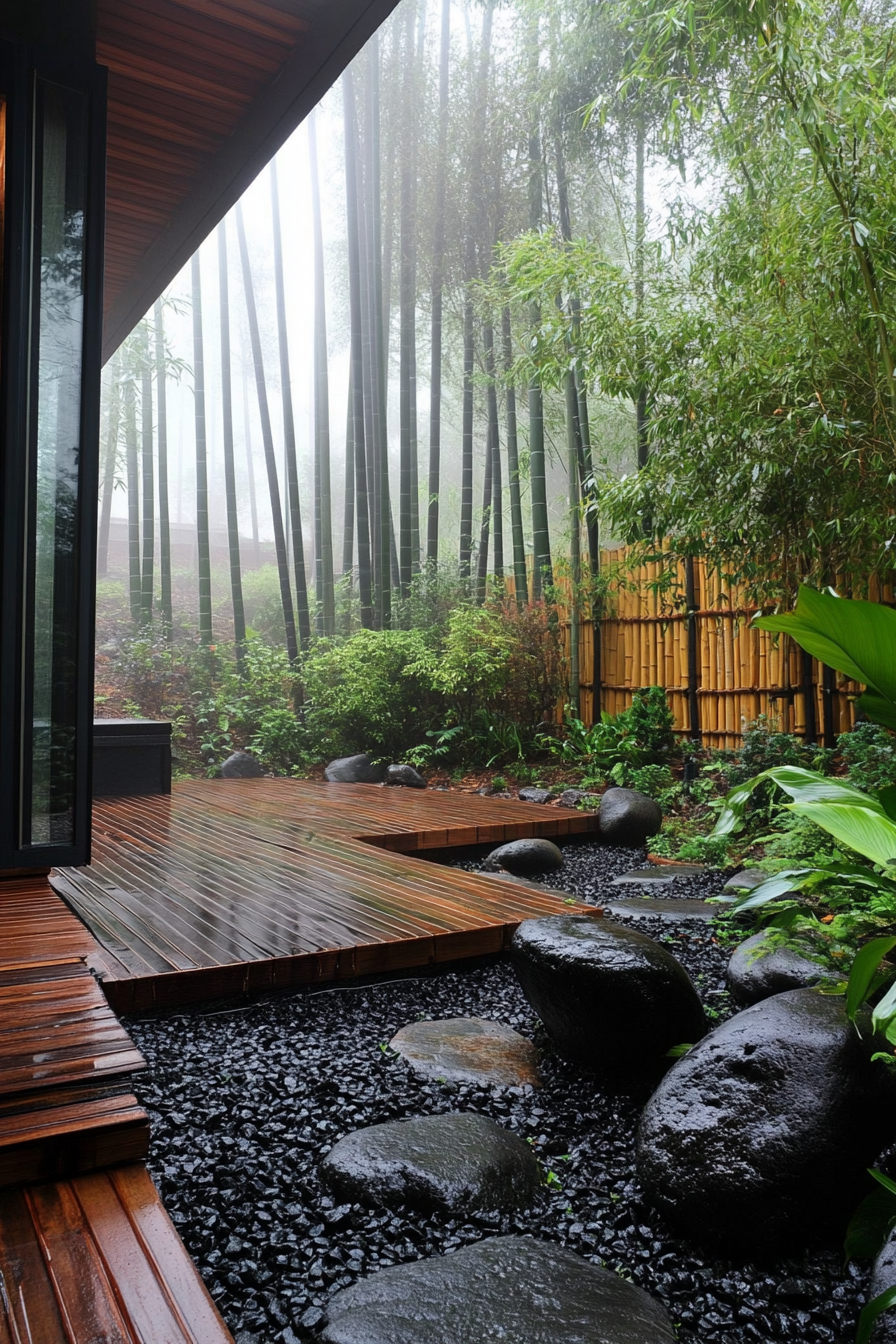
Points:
(368, 694)
(615, 746)
(869, 753)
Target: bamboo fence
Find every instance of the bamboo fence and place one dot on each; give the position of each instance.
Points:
(719, 671)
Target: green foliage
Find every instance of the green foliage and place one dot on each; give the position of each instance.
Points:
(855, 638)
(765, 748)
(368, 693)
(869, 753)
(709, 849)
(636, 737)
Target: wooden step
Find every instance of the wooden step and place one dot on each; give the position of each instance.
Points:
(96, 1260)
(69, 1138)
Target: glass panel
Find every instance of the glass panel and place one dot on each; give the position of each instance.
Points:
(52, 609)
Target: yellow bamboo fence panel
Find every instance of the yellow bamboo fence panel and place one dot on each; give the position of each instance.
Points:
(740, 673)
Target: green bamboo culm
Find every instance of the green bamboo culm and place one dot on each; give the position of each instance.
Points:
(148, 474)
(520, 579)
(323, 505)
(233, 526)
(206, 633)
(165, 607)
(132, 470)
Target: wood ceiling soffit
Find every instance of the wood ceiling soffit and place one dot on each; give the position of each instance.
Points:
(201, 94)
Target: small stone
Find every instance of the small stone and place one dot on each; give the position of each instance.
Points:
(746, 879)
(607, 995)
(451, 1163)
(628, 818)
(573, 797)
(535, 795)
(405, 776)
(525, 856)
(241, 765)
(757, 970)
(468, 1050)
(514, 1289)
(355, 770)
(310, 1318)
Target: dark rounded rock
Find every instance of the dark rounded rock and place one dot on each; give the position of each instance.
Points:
(405, 776)
(525, 856)
(607, 994)
(241, 765)
(514, 1289)
(628, 817)
(453, 1163)
(883, 1277)
(760, 1136)
(532, 795)
(573, 797)
(355, 770)
(757, 970)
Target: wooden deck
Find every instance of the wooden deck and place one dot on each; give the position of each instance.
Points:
(233, 886)
(96, 1260)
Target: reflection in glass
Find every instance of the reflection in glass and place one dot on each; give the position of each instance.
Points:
(51, 608)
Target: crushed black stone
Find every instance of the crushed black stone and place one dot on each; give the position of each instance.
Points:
(244, 1103)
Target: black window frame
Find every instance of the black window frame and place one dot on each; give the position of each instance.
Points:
(21, 65)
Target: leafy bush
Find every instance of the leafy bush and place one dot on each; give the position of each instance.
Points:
(368, 693)
(765, 748)
(869, 753)
(636, 737)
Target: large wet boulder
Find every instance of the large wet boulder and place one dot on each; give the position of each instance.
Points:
(883, 1277)
(521, 857)
(358, 769)
(513, 1289)
(760, 1136)
(758, 969)
(628, 818)
(608, 995)
(241, 765)
(405, 777)
(451, 1163)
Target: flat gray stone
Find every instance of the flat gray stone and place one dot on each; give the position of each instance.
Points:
(745, 880)
(532, 795)
(647, 907)
(511, 1289)
(573, 797)
(450, 1163)
(640, 877)
(468, 1050)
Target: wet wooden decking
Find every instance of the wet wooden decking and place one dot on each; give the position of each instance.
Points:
(231, 886)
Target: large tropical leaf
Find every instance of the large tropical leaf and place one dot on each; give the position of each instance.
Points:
(856, 638)
(803, 786)
(866, 830)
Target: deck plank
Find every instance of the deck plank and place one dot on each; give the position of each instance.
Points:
(231, 886)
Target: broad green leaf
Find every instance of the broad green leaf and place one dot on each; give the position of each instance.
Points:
(863, 829)
(887, 799)
(870, 1225)
(856, 638)
(773, 887)
(870, 1312)
(883, 1016)
(863, 971)
(803, 786)
(883, 1180)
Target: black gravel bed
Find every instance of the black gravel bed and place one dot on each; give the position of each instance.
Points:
(246, 1100)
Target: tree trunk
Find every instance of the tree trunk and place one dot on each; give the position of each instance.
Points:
(112, 431)
(149, 517)
(289, 428)
(164, 511)
(348, 512)
(407, 293)
(520, 580)
(323, 538)
(206, 634)
(573, 450)
(494, 451)
(356, 380)
(377, 342)
(542, 572)
(466, 477)
(289, 624)
(233, 526)
(438, 282)
(250, 470)
(640, 226)
(132, 464)
(482, 555)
